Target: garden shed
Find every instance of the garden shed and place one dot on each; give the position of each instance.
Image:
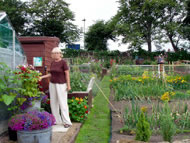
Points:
(38, 52)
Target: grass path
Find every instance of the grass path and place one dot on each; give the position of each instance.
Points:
(96, 128)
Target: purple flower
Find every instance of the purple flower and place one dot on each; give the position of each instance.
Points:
(33, 120)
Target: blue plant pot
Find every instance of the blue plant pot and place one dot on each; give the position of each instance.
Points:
(36, 136)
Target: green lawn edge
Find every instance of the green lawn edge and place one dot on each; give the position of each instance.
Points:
(96, 129)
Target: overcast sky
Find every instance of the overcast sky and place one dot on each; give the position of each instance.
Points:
(93, 10)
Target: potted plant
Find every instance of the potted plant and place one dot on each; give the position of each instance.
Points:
(32, 126)
(30, 90)
(19, 88)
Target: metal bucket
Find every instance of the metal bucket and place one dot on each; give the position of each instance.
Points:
(36, 136)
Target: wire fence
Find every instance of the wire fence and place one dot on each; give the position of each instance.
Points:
(159, 70)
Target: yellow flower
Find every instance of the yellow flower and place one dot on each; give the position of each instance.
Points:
(144, 109)
(81, 99)
(110, 80)
(182, 81)
(72, 100)
(77, 98)
(172, 93)
(165, 97)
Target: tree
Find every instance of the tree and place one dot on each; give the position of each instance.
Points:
(16, 11)
(172, 19)
(137, 21)
(52, 18)
(147, 21)
(186, 22)
(97, 36)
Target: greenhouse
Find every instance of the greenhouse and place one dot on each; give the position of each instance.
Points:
(11, 51)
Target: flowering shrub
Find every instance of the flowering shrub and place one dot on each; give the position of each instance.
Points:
(30, 86)
(33, 120)
(177, 82)
(167, 96)
(78, 109)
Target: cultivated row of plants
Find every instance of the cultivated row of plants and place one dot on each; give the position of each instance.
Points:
(156, 104)
(162, 118)
(148, 85)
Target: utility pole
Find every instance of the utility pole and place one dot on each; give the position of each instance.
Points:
(84, 31)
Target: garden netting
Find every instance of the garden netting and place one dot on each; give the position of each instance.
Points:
(6, 43)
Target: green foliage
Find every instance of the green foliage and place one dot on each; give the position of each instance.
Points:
(96, 68)
(52, 18)
(131, 117)
(71, 53)
(178, 82)
(129, 70)
(128, 87)
(146, 21)
(180, 55)
(78, 109)
(79, 81)
(9, 86)
(29, 79)
(167, 126)
(143, 131)
(97, 36)
(16, 11)
(140, 26)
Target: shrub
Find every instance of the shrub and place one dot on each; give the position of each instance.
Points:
(167, 126)
(143, 131)
(78, 109)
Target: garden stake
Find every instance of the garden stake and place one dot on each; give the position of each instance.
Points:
(117, 112)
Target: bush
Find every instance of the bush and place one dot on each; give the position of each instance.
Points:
(143, 132)
(167, 126)
(78, 109)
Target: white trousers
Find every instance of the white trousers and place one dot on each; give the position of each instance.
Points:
(58, 102)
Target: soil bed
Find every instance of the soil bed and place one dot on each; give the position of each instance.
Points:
(118, 122)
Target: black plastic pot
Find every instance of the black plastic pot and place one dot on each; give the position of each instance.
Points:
(12, 134)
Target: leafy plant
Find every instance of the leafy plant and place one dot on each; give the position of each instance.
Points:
(78, 109)
(29, 89)
(79, 81)
(9, 87)
(178, 82)
(167, 126)
(143, 131)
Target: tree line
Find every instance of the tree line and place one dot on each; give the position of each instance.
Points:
(42, 18)
(141, 22)
(138, 22)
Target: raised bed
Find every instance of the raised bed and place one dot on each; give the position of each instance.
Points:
(83, 94)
